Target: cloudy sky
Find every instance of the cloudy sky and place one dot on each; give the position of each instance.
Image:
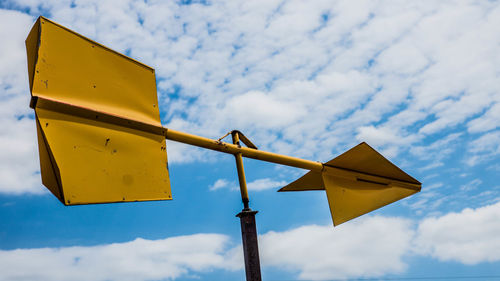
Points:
(417, 80)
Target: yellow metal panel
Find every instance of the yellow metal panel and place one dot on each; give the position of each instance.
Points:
(84, 158)
(363, 158)
(48, 167)
(32, 50)
(361, 181)
(310, 181)
(102, 162)
(73, 69)
(350, 197)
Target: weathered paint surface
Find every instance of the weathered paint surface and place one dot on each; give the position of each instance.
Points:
(87, 160)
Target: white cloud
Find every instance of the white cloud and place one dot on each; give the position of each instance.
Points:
(351, 250)
(443, 146)
(255, 185)
(18, 155)
(384, 136)
(432, 165)
(473, 184)
(140, 259)
(315, 252)
(258, 108)
(484, 148)
(220, 183)
(312, 252)
(487, 121)
(265, 183)
(469, 237)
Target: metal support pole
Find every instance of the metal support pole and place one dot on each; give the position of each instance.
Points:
(247, 219)
(250, 245)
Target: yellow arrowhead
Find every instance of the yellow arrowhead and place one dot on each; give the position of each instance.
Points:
(357, 182)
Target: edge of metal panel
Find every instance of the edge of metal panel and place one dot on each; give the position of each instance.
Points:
(379, 176)
(98, 44)
(414, 181)
(121, 201)
(32, 43)
(53, 164)
(74, 110)
(310, 181)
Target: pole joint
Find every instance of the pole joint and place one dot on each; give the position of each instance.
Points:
(241, 172)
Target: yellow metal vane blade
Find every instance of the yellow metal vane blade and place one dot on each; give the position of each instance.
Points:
(48, 167)
(357, 182)
(363, 158)
(310, 181)
(351, 194)
(100, 162)
(73, 69)
(91, 153)
(32, 43)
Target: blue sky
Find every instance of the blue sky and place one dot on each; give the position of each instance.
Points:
(417, 80)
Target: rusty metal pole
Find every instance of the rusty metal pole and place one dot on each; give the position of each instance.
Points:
(250, 245)
(247, 219)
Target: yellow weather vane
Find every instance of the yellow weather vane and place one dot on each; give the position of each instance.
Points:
(100, 138)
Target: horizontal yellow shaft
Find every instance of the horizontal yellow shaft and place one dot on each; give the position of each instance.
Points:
(245, 152)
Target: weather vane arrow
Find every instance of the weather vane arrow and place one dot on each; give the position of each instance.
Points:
(100, 139)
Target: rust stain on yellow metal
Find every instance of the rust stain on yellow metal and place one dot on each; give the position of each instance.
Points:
(85, 160)
(357, 182)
